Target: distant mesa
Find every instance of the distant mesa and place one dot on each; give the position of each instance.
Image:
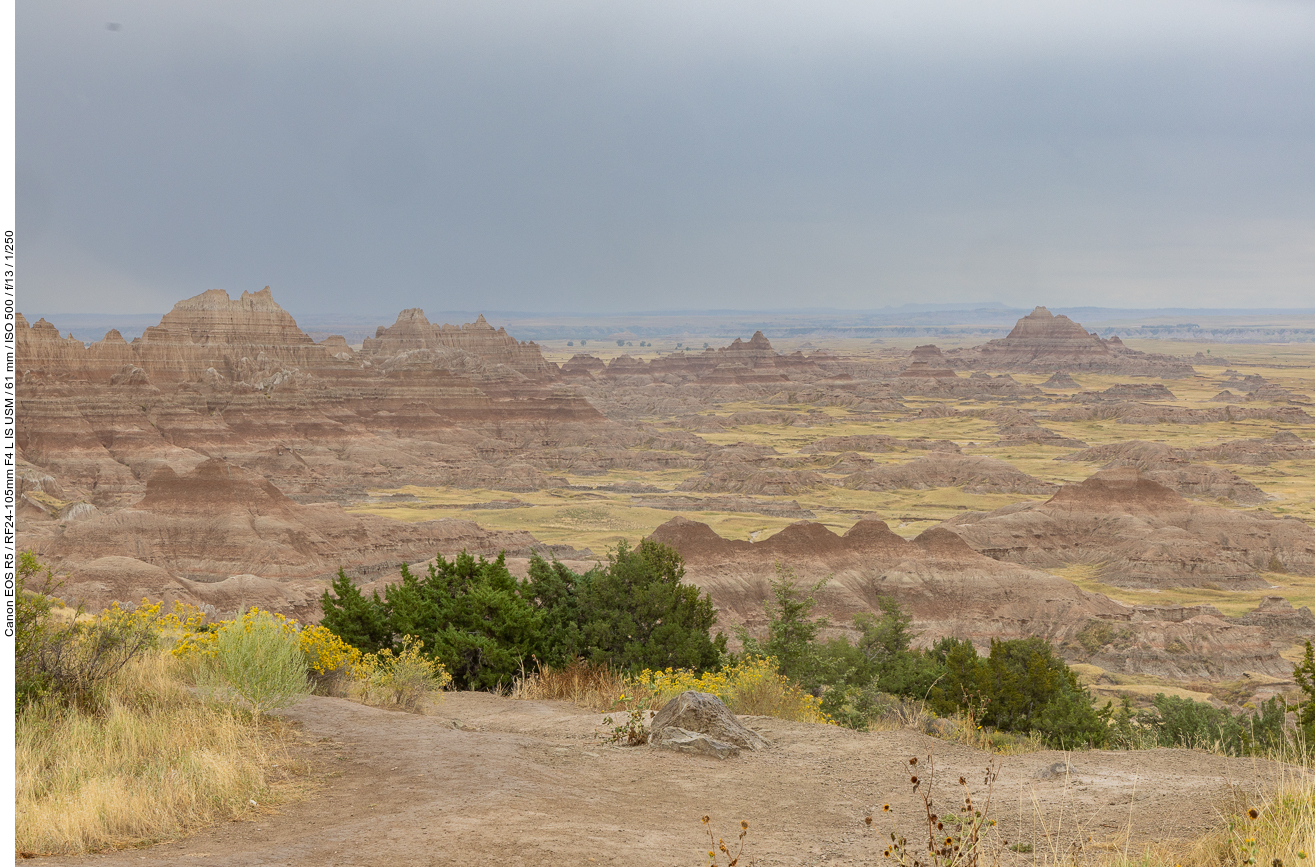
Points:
(1042, 341)
(413, 331)
(926, 362)
(741, 363)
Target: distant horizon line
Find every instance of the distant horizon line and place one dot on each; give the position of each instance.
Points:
(992, 306)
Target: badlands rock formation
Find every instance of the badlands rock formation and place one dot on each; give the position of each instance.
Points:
(1042, 342)
(1061, 380)
(974, 474)
(1173, 468)
(498, 353)
(203, 447)
(1260, 451)
(219, 521)
(1140, 533)
(238, 380)
(952, 590)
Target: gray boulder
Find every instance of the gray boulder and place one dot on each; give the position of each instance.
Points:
(682, 741)
(699, 723)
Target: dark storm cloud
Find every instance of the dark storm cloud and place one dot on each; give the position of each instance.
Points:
(576, 156)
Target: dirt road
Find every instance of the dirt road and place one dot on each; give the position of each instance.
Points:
(525, 783)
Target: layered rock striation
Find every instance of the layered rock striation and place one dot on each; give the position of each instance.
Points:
(218, 521)
(1043, 342)
(951, 590)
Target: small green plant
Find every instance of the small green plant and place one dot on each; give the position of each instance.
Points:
(719, 847)
(1095, 635)
(631, 732)
(258, 660)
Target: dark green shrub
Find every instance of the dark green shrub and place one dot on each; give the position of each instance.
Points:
(1182, 722)
(362, 623)
(638, 614)
(1022, 686)
(556, 591)
(1304, 674)
(486, 627)
(473, 616)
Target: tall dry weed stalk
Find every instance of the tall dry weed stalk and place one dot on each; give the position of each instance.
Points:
(956, 838)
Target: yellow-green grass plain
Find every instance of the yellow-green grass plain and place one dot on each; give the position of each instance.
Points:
(600, 519)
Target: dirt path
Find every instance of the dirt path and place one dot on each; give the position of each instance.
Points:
(528, 783)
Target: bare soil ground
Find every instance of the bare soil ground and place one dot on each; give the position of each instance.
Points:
(489, 780)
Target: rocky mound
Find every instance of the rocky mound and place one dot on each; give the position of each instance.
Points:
(951, 590)
(1142, 534)
(1060, 379)
(1260, 451)
(1256, 387)
(1041, 341)
(927, 361)
(974, 474)
(1173, 468)
(1031, 433)
(1129, 391)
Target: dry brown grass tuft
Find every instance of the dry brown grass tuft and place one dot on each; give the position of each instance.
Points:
(1277, 829)
(584, 683)
(156, 763)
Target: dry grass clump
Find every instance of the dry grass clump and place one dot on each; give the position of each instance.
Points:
(1273, 831)
(584, 683)
(153, 764)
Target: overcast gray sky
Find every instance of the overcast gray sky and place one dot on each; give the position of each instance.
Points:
(631, 155)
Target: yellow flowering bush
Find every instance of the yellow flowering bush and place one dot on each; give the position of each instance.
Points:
(404, 679)
(330, 661)
(145, 617)
(257, 659)
(750, 686)
(326, 652)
